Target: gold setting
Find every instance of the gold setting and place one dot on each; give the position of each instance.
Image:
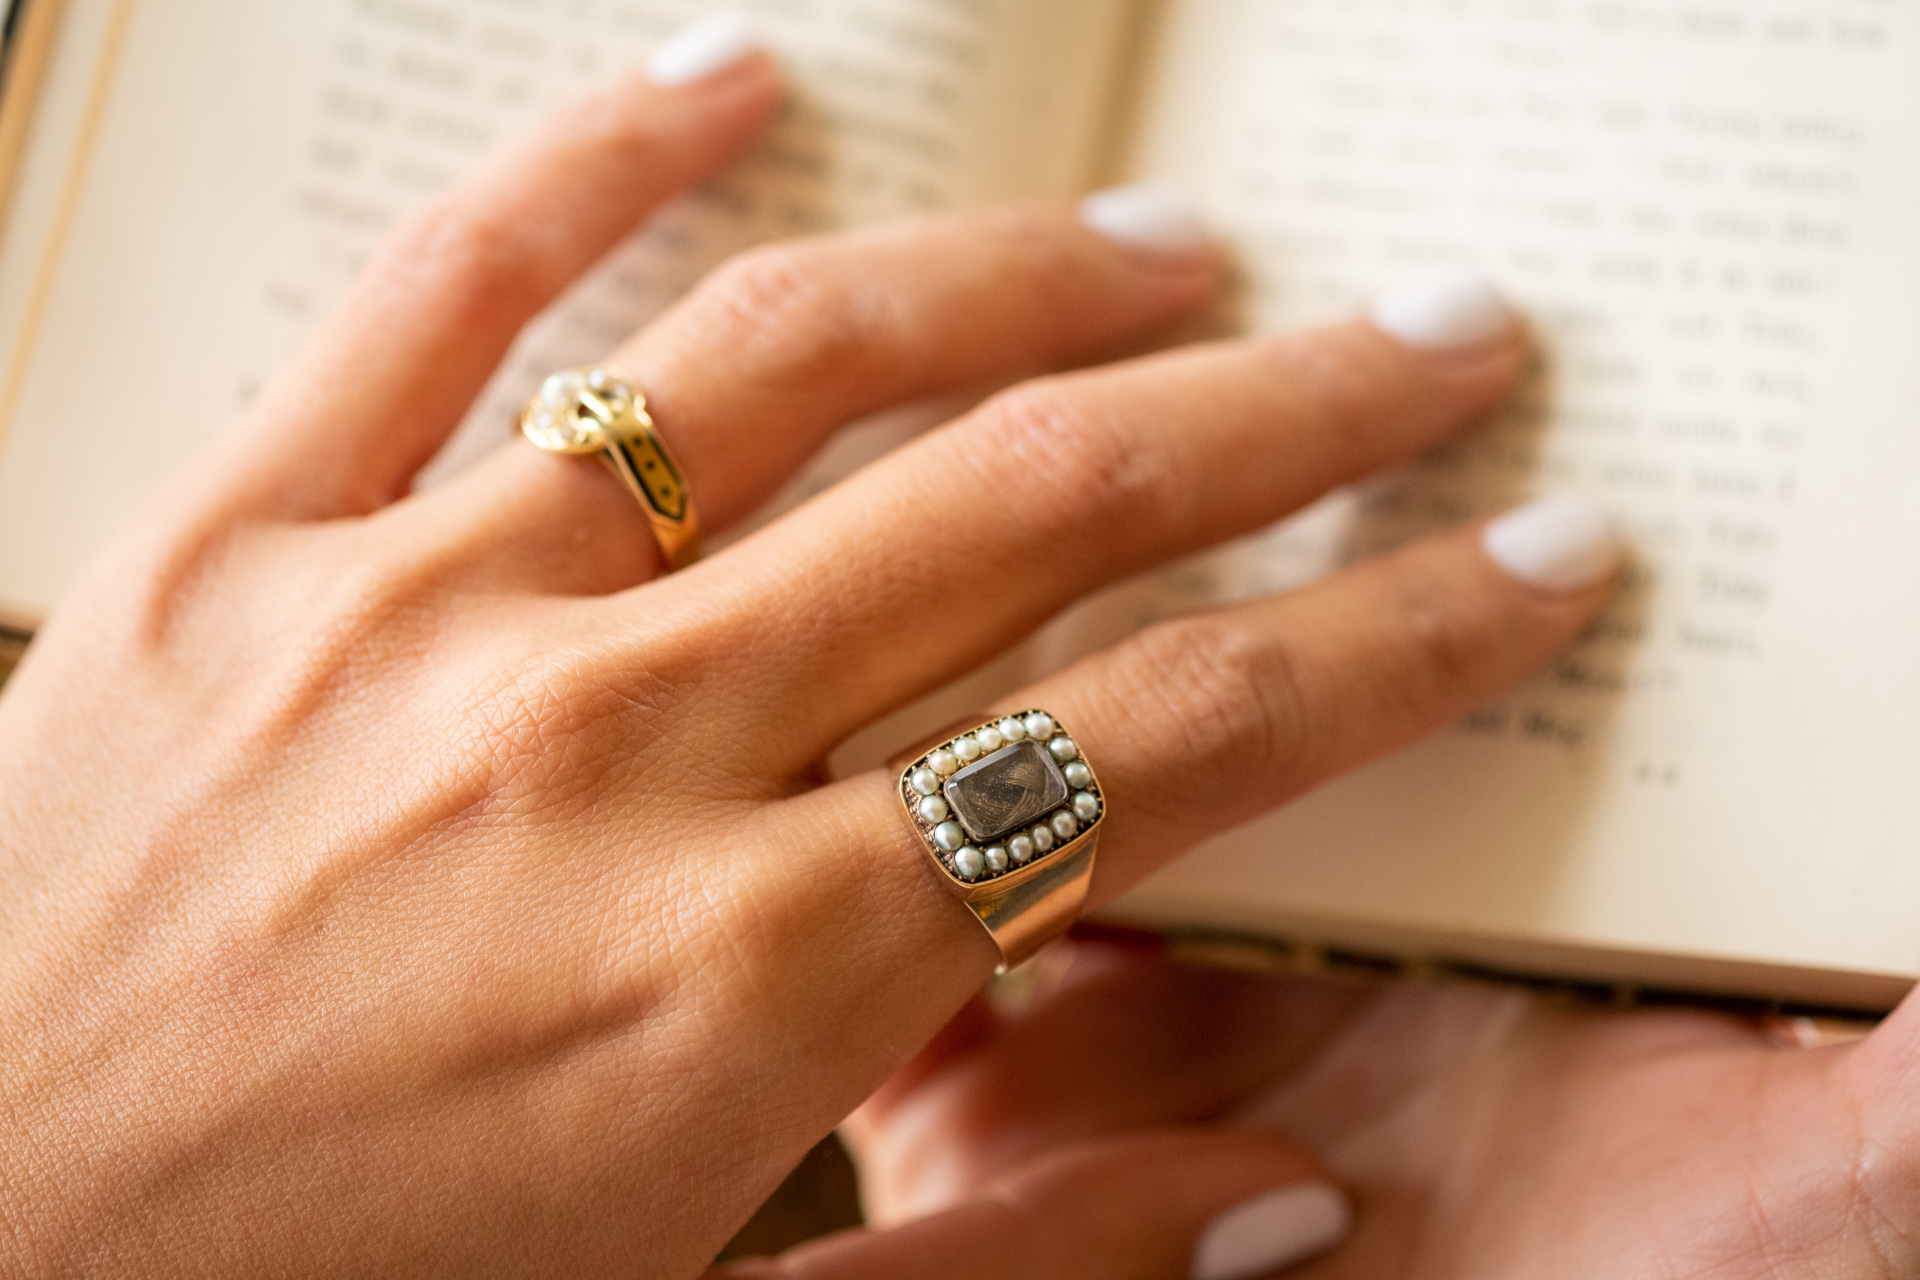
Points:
(1025, 897)
(600, 411)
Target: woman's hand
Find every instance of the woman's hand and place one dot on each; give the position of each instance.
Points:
(417, 885)
(1481, 1134)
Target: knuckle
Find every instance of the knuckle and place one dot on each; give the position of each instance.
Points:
(793, 317)
(139, 599)
(604, 124)
(1103, 479)
(558, 722)
(1344, 387)
(354, 620)
(560, 725)
(1448, 645)
(1039, 250)
(1225, 698)
(474, 263)
(362, 612)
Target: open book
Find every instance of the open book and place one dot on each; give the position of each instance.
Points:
(1709, 210)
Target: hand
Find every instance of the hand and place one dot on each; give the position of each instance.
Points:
(418, 884)
(1479, 1134)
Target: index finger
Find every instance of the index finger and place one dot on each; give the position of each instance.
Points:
(389, 376)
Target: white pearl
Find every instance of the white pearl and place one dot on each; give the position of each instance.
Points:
(1064, 826)
(1039, 725)
(1079, 777)
(997, 858)
(968, 862)
(932, 809)
(1021, 847)
(967, 749)
(1085, 806)
(949, 836)
(1063, 748)
(1012, 730)
(560, 388)
(1042, 837)
(988, 738)
(926, 781)
(942, 762)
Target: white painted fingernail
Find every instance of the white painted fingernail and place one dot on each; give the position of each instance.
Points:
(1147, 215)
(1444, 310)
(701, 48)
(1563, 542)
(1272, 1231)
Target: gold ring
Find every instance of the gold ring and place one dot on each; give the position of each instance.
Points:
(1009, 812)
(600, 411)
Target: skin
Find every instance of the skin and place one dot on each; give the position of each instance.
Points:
(1478, 1132)
(418, 884)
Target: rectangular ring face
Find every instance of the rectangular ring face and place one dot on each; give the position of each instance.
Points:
(997, 801)
(1008, 789)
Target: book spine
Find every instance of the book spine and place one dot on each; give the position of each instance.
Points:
(26, 49)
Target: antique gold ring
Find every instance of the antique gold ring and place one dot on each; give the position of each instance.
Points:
(1009, 812)
(600, 411)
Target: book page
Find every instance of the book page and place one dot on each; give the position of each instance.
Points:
(1711, 213)
(247, 157)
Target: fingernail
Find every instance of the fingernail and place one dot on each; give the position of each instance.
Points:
(1562, 542)
(701, 48)
(1444, 310)
(1147, 215)
(1272, 1231)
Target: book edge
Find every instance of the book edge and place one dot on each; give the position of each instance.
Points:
(72, 190)
(31, 28)
(1613, 975)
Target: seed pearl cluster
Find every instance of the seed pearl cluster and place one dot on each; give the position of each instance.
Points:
(555, 420)
(924, 779)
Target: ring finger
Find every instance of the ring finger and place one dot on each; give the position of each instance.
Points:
(1193, 726)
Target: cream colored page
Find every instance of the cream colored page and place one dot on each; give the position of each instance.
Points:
(253, 154)
(1711, 211)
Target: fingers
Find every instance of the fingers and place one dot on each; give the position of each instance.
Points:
(789, 342)
(1146, 1042)
(930, 563)
(395, 368)
(1192, 726)
(1210, 1205)
(751, 372)
(1200, 724)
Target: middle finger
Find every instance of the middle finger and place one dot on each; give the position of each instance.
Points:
(931, 562)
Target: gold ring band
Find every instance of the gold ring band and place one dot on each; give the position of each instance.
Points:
(600, 411)
(1009, 813)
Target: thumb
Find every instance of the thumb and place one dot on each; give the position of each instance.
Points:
(1208, 1204)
